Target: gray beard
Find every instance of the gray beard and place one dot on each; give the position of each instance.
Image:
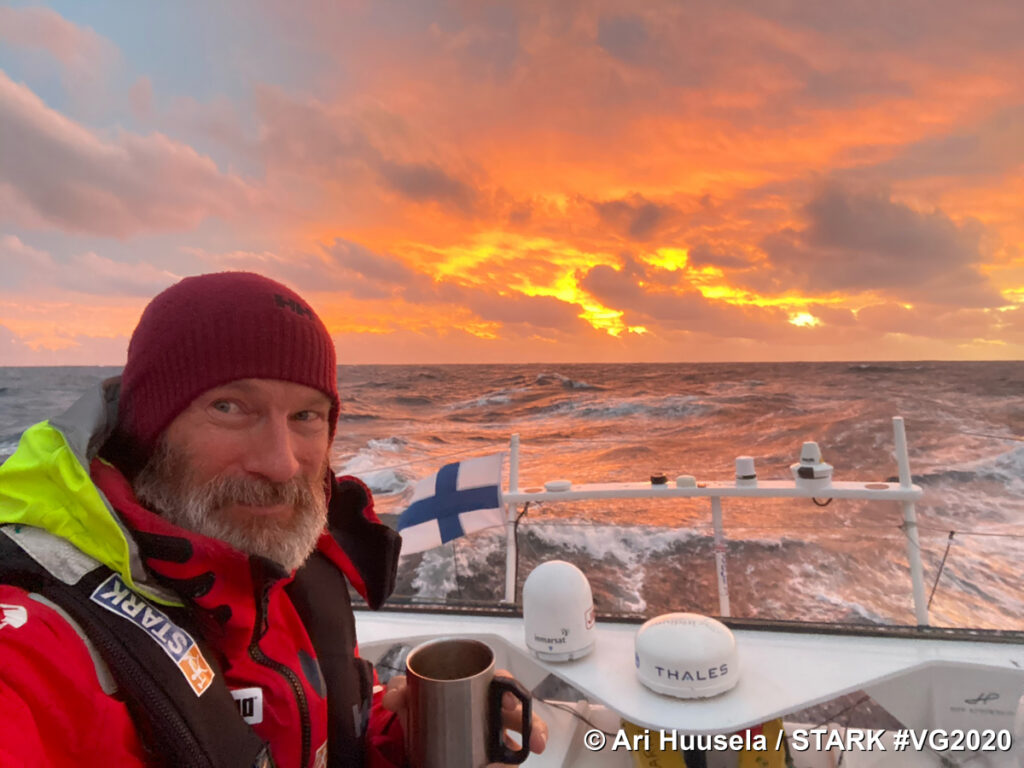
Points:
(166, 486)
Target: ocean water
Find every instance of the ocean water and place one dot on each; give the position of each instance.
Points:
(787, 559)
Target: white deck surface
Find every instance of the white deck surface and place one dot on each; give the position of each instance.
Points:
(780, 673)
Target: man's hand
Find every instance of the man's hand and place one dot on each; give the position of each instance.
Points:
(396, 699)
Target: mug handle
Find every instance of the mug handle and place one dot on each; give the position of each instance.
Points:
(496, 749)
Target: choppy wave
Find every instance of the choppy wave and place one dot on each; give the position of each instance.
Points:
(872, 368)
(412, 400)
(347, 415)
(1005, 467)
(369, 465)
(672, 407)
(593, 423)
(564, 381)
(391, 444)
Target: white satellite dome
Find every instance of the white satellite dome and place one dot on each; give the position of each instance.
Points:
(686, 655)
(558, 612)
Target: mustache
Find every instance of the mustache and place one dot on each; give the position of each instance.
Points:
(221, 492)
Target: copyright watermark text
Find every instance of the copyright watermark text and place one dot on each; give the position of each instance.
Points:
(636, 739)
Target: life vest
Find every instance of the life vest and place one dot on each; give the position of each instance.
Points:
(158, 664)
(164, 669)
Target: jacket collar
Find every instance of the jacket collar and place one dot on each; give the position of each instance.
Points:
(222, 585)
(46, 484)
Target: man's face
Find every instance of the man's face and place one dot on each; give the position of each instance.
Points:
(245, 463)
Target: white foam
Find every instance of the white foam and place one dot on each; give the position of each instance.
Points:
(436, 575)
(366, 465)
(499, 397)
(389, 444)
(565, 381)
(847, 607)
(385, 481)
(1009, 467)
(674, 407)
(633, 546)
(598, 541)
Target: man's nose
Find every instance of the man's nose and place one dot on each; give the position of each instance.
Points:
(273, 451)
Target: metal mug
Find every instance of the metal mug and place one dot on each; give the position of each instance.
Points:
(455, 706)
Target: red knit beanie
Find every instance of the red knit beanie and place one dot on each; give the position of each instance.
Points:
(213, 329)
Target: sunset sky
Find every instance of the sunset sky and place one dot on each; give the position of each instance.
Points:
(674, 180)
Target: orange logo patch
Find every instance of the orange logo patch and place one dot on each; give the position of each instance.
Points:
(197, 671)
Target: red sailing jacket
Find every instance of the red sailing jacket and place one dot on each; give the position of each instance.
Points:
(56, 703)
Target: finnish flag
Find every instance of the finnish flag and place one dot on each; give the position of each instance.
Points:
(461, 498)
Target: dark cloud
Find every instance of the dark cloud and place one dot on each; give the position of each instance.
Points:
(422, 182)
(940, 30)
(489, 46)
(520, 214)
(371, 265)
(624, 37)
(344, 267)
(635, 217)
(833, 316)
(538, 311)
(842, 86)
(867, 242)
(992, 148)
(672, 310)
(702, 255)
(331, 144)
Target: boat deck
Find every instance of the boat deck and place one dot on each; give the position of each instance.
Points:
(923, 682)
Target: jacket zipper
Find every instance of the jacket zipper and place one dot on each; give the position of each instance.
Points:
(256, 654)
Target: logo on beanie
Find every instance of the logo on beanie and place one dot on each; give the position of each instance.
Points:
(293, 305)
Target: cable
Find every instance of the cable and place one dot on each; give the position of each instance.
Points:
(572, 711)
(515, 536)
(996, 534)
(942, 565)
(455, 564)
(843, 711)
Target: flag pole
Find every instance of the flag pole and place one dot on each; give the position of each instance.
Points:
(510, 521)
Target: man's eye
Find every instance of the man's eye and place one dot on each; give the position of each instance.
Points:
(225, 406)
(308, 415)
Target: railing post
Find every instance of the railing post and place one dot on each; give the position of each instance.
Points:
(721, 568)
(910, 523)
(510, 521)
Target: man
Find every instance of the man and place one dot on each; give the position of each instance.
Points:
(175, 553)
